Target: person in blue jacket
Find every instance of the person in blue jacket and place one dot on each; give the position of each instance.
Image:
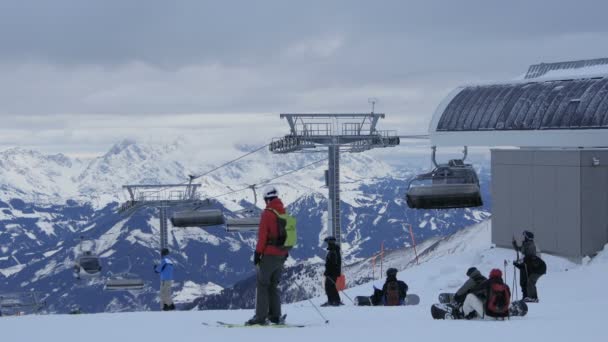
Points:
(166, 280)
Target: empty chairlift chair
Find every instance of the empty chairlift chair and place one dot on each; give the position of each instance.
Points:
(243, 224)
(451, 185)
(87, 264)
(198, 218)
(125, 281)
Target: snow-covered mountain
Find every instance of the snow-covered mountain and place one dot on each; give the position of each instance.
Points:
(48, 202)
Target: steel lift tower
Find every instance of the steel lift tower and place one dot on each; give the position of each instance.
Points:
(354, 132)
(161, 196)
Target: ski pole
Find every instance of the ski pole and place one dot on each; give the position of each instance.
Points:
(313, 304)
(343, 292)
(505, 272)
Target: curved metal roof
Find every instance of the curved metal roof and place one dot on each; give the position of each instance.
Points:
(552, 105)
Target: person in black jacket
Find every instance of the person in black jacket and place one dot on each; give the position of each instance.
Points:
(333, 269)
(394, 291)
(531, 267)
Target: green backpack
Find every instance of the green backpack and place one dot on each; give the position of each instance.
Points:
(288, 234)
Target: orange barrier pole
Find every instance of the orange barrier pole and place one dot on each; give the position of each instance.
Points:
(374, 267)
(414, 242)
(381, 258)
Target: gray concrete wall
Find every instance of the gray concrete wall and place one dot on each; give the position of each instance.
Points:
(594, 201)
(547, 192)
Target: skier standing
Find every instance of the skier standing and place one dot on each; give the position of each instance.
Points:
(166, 280)
(268, 259)
(333, 269)
(531, 267)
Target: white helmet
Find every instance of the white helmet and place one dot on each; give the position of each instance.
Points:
(270, 192)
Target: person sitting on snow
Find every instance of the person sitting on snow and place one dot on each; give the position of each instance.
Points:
(475, 279)
(488, 299)
(394, 291)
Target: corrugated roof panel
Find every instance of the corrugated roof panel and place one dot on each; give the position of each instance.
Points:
(472, 121)
(568, 105)
(602, 112)
(582, 116)
(563, 104)
(536, 105)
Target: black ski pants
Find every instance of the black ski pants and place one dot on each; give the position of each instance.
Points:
(333, 297)
(527, 281)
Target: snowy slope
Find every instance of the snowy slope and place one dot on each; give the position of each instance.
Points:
(571, 308)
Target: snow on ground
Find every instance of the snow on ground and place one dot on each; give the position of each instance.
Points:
(571, 309)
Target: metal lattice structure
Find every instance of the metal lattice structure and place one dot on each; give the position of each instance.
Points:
(339, 132)
(161, 196)
(21, 303)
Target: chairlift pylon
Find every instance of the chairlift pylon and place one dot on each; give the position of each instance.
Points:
(451, 185)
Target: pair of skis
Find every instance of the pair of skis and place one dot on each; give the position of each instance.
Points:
(270, 325)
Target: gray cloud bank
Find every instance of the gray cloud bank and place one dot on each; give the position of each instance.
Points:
(75, 76)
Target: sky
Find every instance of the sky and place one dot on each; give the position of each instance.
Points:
(76, 76)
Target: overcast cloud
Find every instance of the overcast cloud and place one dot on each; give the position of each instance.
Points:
(78, 75)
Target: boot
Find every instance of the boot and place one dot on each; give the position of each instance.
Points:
(255, 321)
(530, 300)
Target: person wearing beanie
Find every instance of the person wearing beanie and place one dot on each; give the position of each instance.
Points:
(531, 266)
(333, 269)
(474, 280)
(394, 291)
(165, 269)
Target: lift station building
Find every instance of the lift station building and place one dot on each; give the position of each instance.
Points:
(550, 175)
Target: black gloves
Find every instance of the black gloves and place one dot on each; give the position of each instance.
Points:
(257, 257)
(325, 274)
(154, 267)
(514, 243)
(517, 263)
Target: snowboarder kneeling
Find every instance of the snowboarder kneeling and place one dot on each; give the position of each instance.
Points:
(531, 268)
(488, 299)
(393, 292)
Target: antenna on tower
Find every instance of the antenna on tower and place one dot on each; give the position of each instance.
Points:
(372, 101)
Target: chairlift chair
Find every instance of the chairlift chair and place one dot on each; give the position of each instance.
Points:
(87, 264)
(451, 185)
(243, 224)
(125, 281)
(198, 218)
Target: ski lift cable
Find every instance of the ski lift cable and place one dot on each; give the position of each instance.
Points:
(193, 177)
(270, 179)
(229, 162)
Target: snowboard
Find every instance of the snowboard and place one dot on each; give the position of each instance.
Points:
(517, 308)
(410, 299)
(446, 297)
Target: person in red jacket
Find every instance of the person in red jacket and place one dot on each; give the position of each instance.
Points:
(269, 259)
